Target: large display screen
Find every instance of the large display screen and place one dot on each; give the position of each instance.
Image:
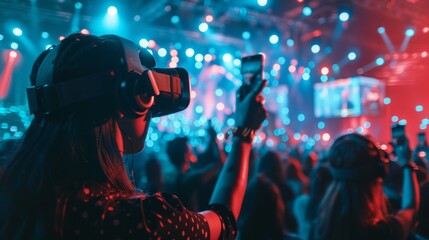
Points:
(348, 97)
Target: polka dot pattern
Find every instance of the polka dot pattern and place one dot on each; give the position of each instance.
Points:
(159, 216)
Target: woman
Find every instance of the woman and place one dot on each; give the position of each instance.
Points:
(354, 206)
(67, 179)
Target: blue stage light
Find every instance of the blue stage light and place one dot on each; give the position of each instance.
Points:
(17, 31)
(246, 35)
(203, 27)
(315, 48)
(274, 39)
(78, 5)
(175, 19)
(143, 43)
(301, 117)
(112, 10)
(387, 100)
(290, 42)
(395, 118)
(351, 56)
(344, 16)
(419, 108)
(44, 35)
(410, 32)
(162, 52)
(190, 52)
(307, 11)
(227, 57)
(321, 125)
(379, 61)
(262, 3)
(381, 30)
(14, 45)
(305, 76)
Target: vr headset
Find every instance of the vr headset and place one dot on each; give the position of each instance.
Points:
(138, 88)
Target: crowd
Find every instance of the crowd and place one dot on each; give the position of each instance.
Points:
(80, 172)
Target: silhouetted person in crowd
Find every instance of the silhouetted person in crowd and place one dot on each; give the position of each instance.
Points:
(306, 206)
(270, 165)
(354, 207)
(67, 179)
(262, 216)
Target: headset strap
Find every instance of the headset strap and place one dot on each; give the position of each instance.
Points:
(49, 98)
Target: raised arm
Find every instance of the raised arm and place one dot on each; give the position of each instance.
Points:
(231, 185)
(410, 188)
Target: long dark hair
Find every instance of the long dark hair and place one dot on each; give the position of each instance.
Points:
(63, 151)
(350, 208)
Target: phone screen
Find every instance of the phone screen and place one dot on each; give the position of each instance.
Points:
(251, 65)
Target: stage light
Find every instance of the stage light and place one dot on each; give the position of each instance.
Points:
(112, 10)
(61, 38)
(315, 48)
(44, 35)
(84, 31)
(175, 19)
(395, 118)
(419, 108)
(203, 27)
(219, 92)
(387, 101)
(13, 54)
(173, 52)
(321, 125)
(262, 3)
(78, 5)
(290, 42)
(402, 122)
(379, 61)
(220, 106)
(324, 71)
(189, 52)
(424, 54)
(305, 76)
(335, 67)
(324, 78)
(276, 66)
(326, 137)
(367, 124)
(162, 52)
(297, 136)
(301, 117)
(137, 18)
(237, 62)
(292, 68)
(381, 30)
(307, 11)
(172, 64)
(14, 45)
(151, 44)
(175, 59)
(208, 57)
(351, 56)
(246, 35)
(17, 31)
(273, 73)
(199, 57)
(227, 57)
(274, 39)
(425, 29)
(209, 18)
(48, 46)
(344, 16)
(143, 43)
(1, 37)
(410, 32)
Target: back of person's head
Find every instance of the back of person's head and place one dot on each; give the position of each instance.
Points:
(262, 211)
(355, 196)
(153, 175)
(270, 164)
(177, 149)
(69, 146)
(320, 179)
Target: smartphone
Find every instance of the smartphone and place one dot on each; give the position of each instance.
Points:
(252, 68)
(398, 134)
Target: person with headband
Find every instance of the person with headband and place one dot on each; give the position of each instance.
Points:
(354, 206)
(92, 99)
